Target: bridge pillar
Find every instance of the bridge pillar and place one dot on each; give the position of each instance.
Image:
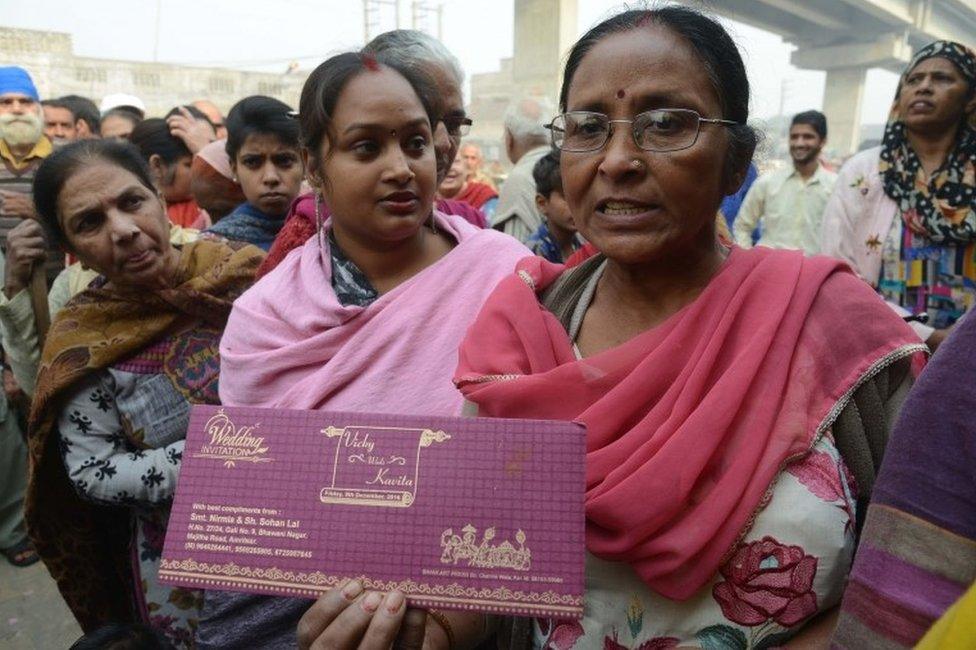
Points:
(843, 97)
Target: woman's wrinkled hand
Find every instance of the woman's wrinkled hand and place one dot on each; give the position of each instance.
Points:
(349, 617)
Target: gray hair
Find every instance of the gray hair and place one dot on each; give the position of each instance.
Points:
(411, 48)
(526, 119)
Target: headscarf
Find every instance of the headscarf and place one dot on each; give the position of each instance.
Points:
(84, 546)
(942, 207)
(212, 179)
(14, 79)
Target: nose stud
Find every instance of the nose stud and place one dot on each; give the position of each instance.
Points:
(636, 163)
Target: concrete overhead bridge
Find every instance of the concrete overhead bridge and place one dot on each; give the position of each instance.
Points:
(848, 37)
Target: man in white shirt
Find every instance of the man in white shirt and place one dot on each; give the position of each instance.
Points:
(788, 204)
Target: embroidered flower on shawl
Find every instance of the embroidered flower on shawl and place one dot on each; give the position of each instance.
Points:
(767, 580)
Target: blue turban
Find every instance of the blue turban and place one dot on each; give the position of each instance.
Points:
(14, 79)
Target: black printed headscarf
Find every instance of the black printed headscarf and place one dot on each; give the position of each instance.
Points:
(942, 207)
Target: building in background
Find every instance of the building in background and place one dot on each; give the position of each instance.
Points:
(57, 71)
(544, 32)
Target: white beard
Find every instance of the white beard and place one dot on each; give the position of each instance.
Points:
(20, 130)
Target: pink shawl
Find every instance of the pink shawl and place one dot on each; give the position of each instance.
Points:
(688, 423)
(290, 343)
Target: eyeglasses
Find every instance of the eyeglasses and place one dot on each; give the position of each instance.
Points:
(457, 127)
(663, 129)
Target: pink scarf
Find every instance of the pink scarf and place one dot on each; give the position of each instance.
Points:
(290, 343)
(688, 423)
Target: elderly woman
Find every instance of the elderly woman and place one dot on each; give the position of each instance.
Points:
(726, 404)
(904, 214)
(367, 315)
(123, 362)
(417, 51)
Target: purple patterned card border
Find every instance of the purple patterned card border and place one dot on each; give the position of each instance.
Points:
(479, 514)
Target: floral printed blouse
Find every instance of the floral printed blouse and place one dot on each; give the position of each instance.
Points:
(121, 436)
(791, 565)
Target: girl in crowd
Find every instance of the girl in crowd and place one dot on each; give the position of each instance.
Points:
(262, 143)
(458, 185)
(169, 154)
(368, 314)
(417, 51)
(122, 363)
(726, 405)
(904, 214)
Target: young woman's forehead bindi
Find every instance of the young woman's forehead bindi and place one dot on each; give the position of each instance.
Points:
(621, 93)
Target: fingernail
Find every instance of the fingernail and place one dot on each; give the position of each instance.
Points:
(394, 601)
(372, 601)
(352, 589)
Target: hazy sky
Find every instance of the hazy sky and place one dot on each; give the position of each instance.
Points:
(267, 34)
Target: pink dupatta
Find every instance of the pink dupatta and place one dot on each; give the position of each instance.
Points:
(689, 423)
(290, 343)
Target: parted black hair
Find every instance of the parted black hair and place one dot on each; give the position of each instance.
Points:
(152, 137)
(815, 119)
(546, 174)
(57, 168)
(263, 115)
(717, 52)
(325, 84)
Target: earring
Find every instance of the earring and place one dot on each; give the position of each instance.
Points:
(318, 220)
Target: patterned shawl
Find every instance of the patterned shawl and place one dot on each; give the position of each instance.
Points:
(248, 224)
(941, 208)
(84, 546)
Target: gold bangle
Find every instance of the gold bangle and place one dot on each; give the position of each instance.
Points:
(445, 624)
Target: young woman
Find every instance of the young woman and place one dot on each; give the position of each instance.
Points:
(169, 153)
(726, 403)
(368, 314)
(123, 361)
(405, 48)
(262, 143)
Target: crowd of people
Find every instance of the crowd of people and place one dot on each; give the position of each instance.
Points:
(774, 455)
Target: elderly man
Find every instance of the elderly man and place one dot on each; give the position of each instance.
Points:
(22, 144)
(475, 160)
(526, 141)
